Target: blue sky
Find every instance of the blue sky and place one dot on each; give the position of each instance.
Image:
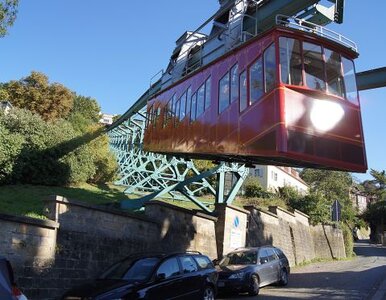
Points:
(109, 50)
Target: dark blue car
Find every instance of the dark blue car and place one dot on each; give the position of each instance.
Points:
(153, 276)
(249, 269)
(8, 288)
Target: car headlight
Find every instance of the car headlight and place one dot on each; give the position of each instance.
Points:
(239, 275)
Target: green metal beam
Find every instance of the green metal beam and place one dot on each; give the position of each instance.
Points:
(371, 79)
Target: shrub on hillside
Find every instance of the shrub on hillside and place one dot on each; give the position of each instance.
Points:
(253, 188)
(49, 153)
(10, 148)
(348, 240)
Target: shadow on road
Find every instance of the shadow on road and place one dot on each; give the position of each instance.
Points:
(364, 248)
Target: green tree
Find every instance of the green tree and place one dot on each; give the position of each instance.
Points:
(35, 93)
(51, 153)
(3, 93)
(8, 11)
(332, 185)
(115, 118)
(87, 107)
(10, 149)
(378, 184)
(289, 194)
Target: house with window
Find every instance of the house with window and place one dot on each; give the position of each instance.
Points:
(106, 119)
(273, 177)
(6, 106)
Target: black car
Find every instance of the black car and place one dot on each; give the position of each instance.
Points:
(153, 276)
(248, 269)
(8, 288)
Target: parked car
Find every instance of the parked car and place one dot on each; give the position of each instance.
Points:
(8, 288)
(153, 276)
(249, 269)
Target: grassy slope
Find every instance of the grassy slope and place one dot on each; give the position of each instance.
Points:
(28, 200)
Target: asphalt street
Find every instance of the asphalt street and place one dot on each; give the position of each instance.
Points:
(363, 277)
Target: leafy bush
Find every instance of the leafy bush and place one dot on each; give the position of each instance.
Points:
(348, 240)
(314, 205)
(10, 149)
(104, 160)
(253, 188)
(50, 153)
(289, 194)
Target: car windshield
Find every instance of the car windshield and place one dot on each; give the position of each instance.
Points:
(133, 270)
(239, 258)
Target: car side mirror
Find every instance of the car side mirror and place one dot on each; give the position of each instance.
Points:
(263, 260)
(160, 276)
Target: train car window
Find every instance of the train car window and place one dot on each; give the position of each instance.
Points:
(168, 113)
(174, 100)
(270, 68)
(334, 73)
(183, 106)
(149, 119)
(256, 81)
(314, 66)
(177, 112)
(193, 111)
(200, 101)
(223, 95)
(234, 83)
(350, 81)
(153, 116)
(290, 61)
(207, 93)
(157, 113)
(188, 101)
(243, 91)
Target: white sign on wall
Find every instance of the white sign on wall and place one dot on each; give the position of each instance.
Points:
(236, 240)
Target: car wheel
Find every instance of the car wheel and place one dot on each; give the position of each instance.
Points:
(283, 277)
(208, 293)
(254, 286)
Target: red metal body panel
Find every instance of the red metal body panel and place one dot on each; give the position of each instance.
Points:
(280, 128)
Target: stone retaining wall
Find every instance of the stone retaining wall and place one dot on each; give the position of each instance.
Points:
(79, 240)
(291, 232)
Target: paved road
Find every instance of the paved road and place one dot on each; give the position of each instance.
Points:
(361, 278)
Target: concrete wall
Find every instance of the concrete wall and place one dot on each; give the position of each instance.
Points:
(231, 228)
(291, 232)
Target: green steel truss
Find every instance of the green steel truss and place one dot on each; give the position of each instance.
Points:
(158, 175)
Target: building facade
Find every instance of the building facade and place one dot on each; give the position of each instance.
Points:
(106, 119)
(273, 177)
(6, 106)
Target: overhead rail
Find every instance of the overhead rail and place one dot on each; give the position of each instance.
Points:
(371, 79)
(138, 105)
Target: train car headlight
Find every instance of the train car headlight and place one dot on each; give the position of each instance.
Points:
(325, 115)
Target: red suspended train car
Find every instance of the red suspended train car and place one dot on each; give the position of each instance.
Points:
(285, 97)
